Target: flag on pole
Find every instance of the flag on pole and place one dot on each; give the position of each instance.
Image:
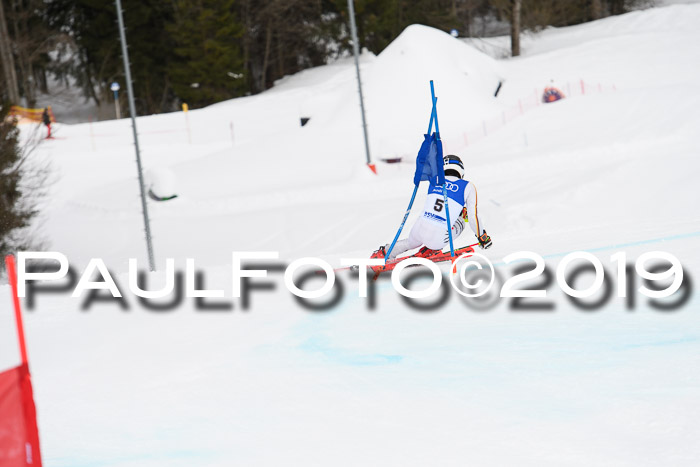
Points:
(19, 435)
(429, 165)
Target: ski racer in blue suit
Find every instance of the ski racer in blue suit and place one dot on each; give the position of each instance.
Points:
(430, 230)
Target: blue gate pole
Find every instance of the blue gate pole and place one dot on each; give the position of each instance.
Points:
(444, 184)
(433, 115)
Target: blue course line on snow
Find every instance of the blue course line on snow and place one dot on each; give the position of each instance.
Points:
(630, 244)
(681, 340)
(346, 357)
(619, 245)
(160, 456)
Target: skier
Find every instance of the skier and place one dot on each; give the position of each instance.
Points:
(430, 229)
(46, 119)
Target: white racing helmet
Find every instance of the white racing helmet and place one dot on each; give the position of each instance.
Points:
(453, 163)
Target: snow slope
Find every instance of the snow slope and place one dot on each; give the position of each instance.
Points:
(278, 385)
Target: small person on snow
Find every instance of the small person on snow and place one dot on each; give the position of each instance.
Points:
(46, 119)
(430, 229)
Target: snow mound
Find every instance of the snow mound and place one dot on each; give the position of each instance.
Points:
(162, 182)
(398, 83)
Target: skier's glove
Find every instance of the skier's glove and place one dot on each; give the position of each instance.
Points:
(485, 241)
(464, 215)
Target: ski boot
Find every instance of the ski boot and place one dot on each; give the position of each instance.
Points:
(426, 252)
(379, 253)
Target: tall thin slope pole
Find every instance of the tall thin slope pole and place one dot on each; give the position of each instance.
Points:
(132, 110)
(356, 52)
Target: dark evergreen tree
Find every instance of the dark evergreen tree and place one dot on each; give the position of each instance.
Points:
(207, 63)
(282, 37)
(16, 206)
(379, 22)
(93, 26)
(26, 40)
(203, 51)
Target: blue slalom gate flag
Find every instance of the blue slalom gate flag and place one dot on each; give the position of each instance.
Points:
(429, 165)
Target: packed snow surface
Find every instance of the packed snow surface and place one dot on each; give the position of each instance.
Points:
(611, 168)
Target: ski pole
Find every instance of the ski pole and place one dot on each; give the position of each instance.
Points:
(405, 216)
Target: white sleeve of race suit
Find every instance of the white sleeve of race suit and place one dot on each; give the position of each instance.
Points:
(472, 210)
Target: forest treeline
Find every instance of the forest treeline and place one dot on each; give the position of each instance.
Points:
(205, 51)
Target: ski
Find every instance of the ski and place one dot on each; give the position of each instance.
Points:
(436, 258)
(391, 264)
